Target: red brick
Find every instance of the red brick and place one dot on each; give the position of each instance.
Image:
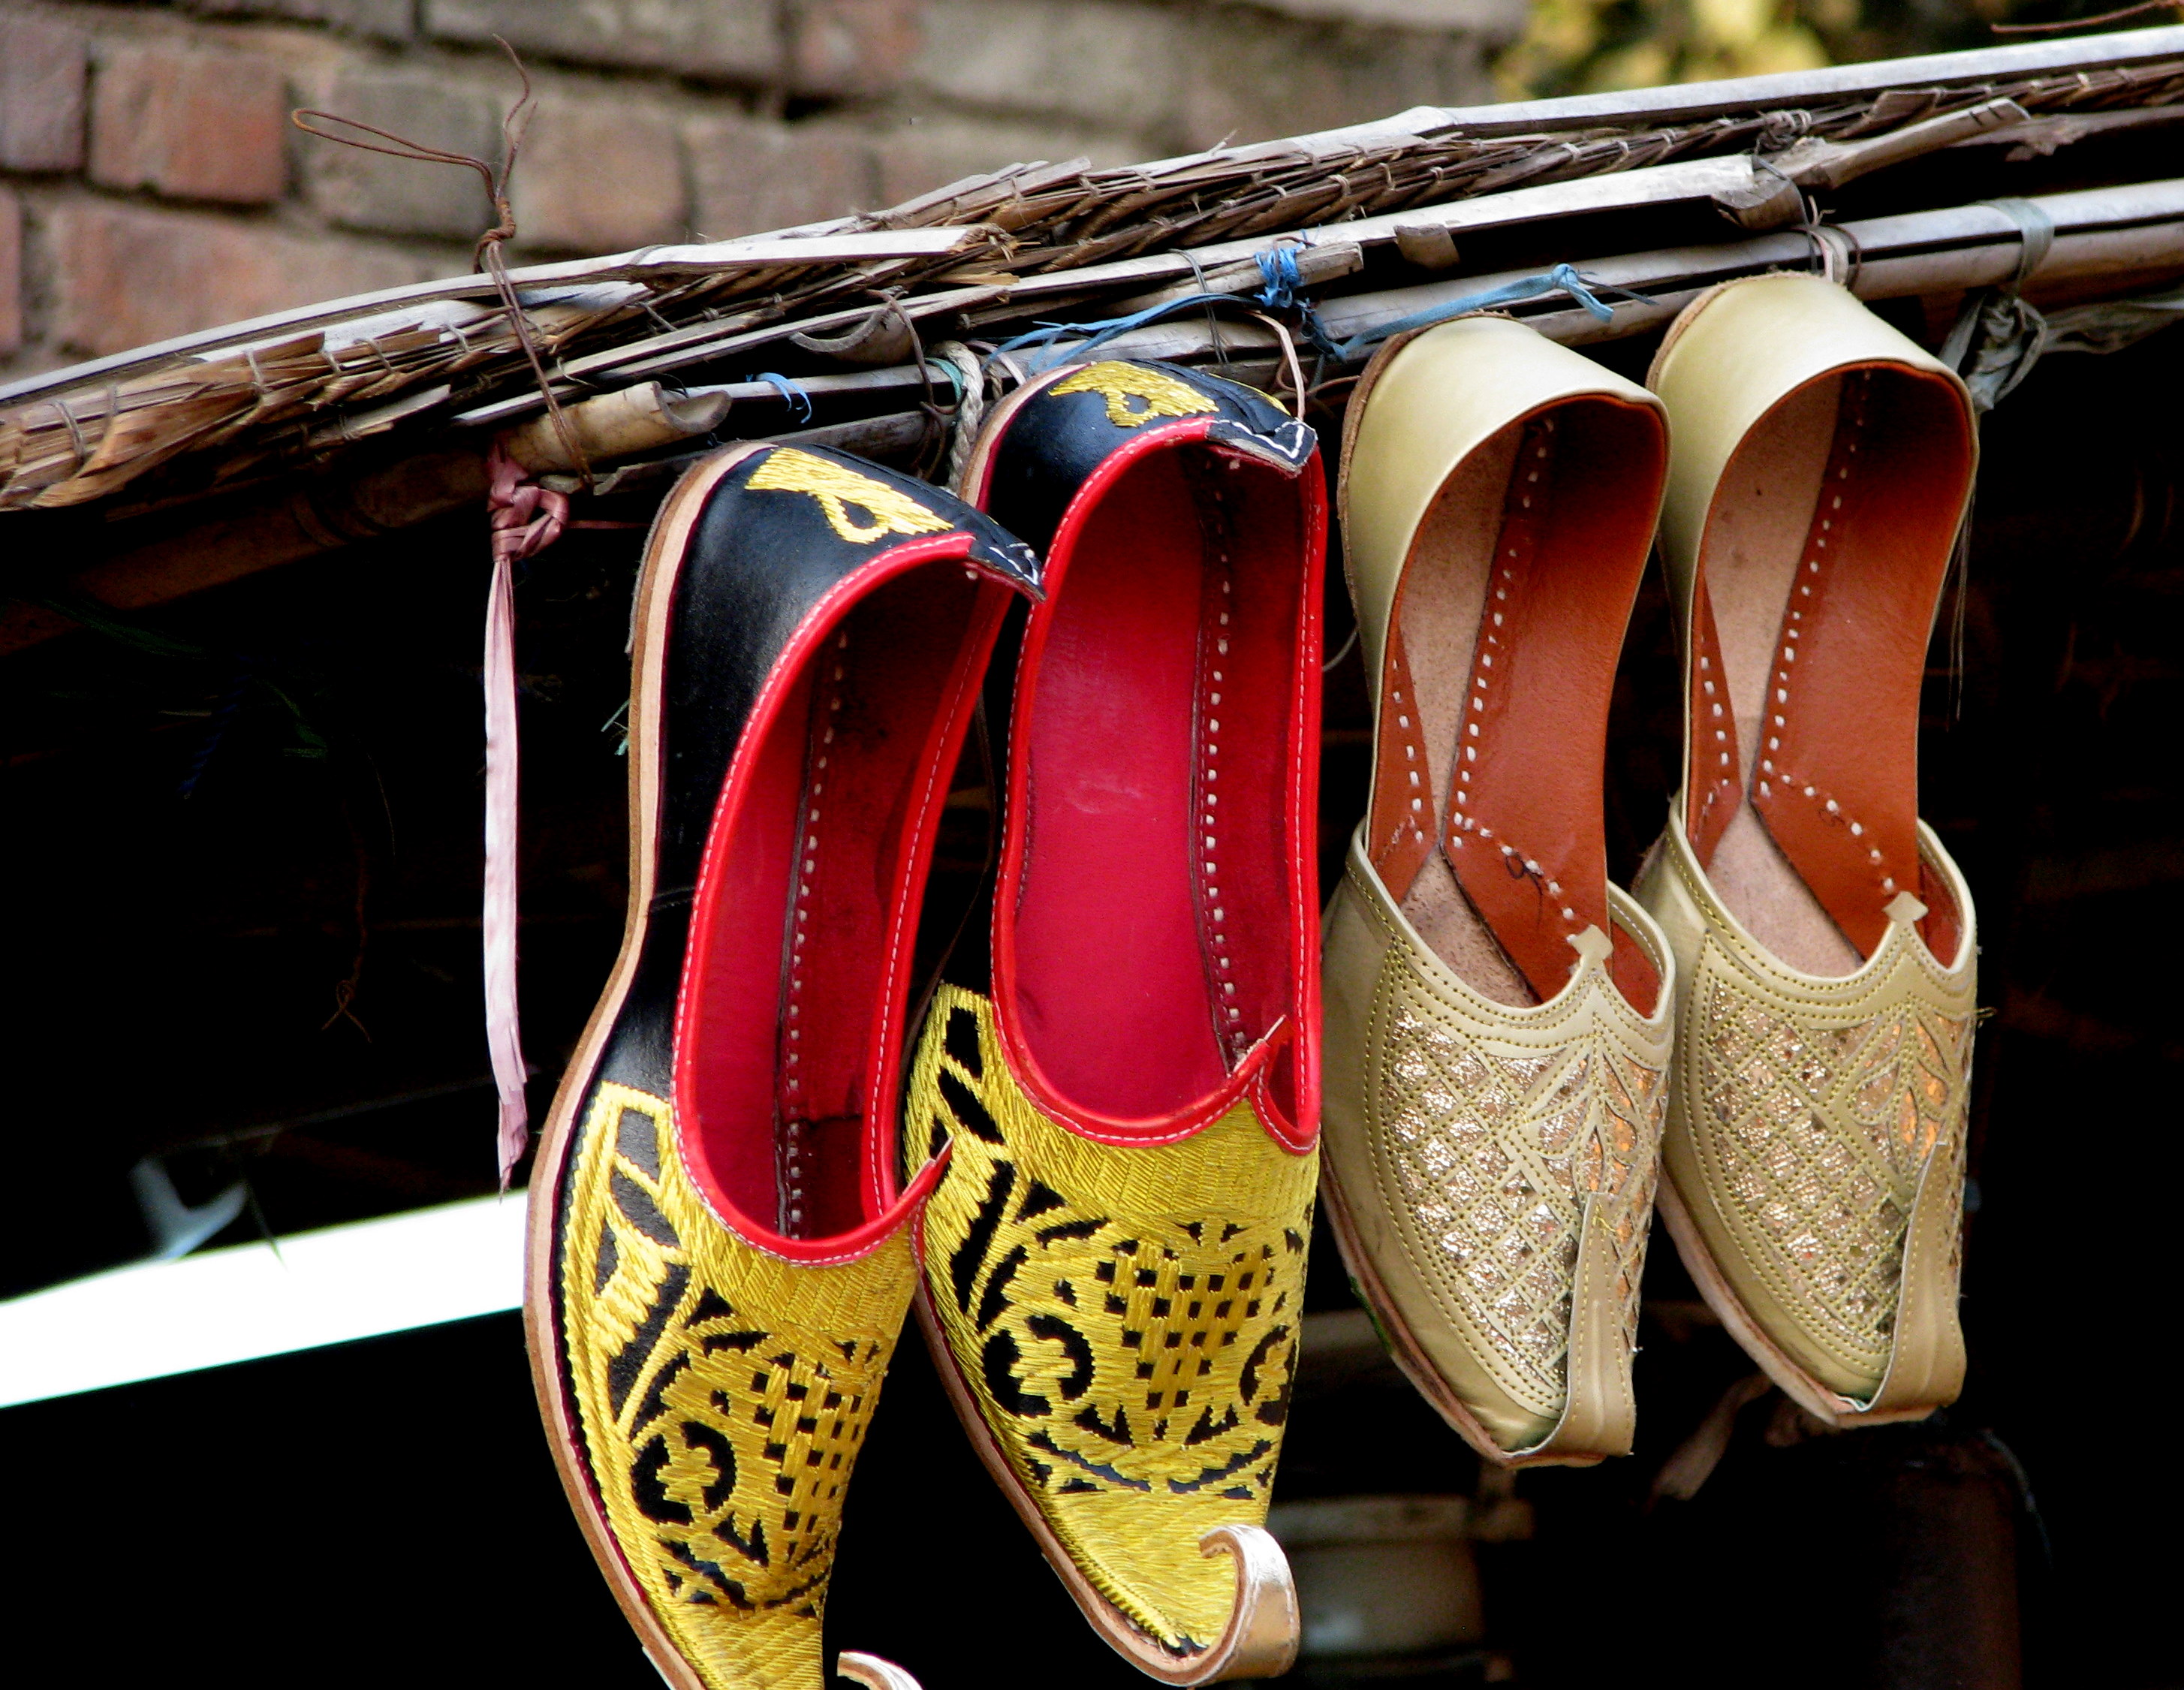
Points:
(41, 75)
(190, 124)
(732, 40)
(926, 152)
(11, 273)
(126, 275)
(599, 177)
(363, 190)
(852, 47)
(752, 177)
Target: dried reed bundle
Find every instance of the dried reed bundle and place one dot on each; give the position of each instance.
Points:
(981, 256)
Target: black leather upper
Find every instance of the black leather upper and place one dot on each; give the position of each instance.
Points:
(756, 563)
(1055, 440)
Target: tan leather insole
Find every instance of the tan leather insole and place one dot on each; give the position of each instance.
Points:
(1824, 554)
(1501, 654)
(1437, 618)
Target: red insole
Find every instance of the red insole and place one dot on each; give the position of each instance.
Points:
(800, 938)
(1152, 919)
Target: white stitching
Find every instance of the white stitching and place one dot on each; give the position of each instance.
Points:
(792, 1123)
(966, 686)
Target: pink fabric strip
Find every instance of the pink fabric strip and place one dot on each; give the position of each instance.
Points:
(525, 520)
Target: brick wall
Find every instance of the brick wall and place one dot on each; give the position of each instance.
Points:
(150, 183)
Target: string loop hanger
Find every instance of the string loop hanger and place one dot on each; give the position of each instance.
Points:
(496, 182)
(487, 257)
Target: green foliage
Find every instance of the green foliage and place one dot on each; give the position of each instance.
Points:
(1575, 46)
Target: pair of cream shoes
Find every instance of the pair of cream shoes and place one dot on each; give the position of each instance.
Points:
(1780, 1017)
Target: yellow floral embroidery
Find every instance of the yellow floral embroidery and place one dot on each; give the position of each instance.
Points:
(1120, 383)
(724, 1394)
(1125, 1318)
(837, 487)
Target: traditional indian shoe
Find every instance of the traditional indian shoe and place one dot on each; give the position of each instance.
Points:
(719, 1263)
(1127, 1070)
(1824, 939)
(1498, 1016)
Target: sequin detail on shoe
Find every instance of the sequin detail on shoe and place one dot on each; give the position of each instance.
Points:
(1494, 1148)
(1823, 1128)
(724, 1394)
(1125, 1318)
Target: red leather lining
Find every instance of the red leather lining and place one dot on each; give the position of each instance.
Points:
(1716, 772)
(1154, 920)
(1524, 828)
(789, 1029)
(1405, 816)
(1837, 777)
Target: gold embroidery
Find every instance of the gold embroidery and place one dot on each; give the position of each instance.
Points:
(1823, 1128)
(1125, 1319)
(724, 1394)
(1495, 1154)
(836, 487)
(1119, 383)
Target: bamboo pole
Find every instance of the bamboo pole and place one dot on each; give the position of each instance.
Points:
(2131, 232)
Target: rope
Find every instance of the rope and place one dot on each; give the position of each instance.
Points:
(970, 377)
(525, 520)
(1999, 337)
(1282, 281)
(1996, 340)
(223, 717)
(1098, 334)
(1213, 322)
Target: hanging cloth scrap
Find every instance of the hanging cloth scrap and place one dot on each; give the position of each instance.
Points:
(525, 520)
(1999, 337)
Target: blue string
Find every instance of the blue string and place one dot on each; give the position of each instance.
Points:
(1100, 333)
(223, 717)
(1561, 279)
(799, 401)
(1278, 266)
(954, 375)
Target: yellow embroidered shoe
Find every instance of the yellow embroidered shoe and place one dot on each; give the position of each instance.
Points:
(1127, 1072)
(1498, 1015)
(1824, 939)
(719, 1265)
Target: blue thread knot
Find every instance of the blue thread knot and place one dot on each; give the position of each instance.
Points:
(799, 402)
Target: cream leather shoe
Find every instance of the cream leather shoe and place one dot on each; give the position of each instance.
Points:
(1497, 1029)
(1824, 940)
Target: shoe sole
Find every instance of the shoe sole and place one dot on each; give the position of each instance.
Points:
(669, 538)
(1260, 1640)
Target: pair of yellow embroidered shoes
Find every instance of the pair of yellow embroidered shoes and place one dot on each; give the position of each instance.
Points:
(1100, 1191)
(1781, 1017)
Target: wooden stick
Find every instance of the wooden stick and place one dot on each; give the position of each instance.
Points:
(2134, 230)
(656, 264)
